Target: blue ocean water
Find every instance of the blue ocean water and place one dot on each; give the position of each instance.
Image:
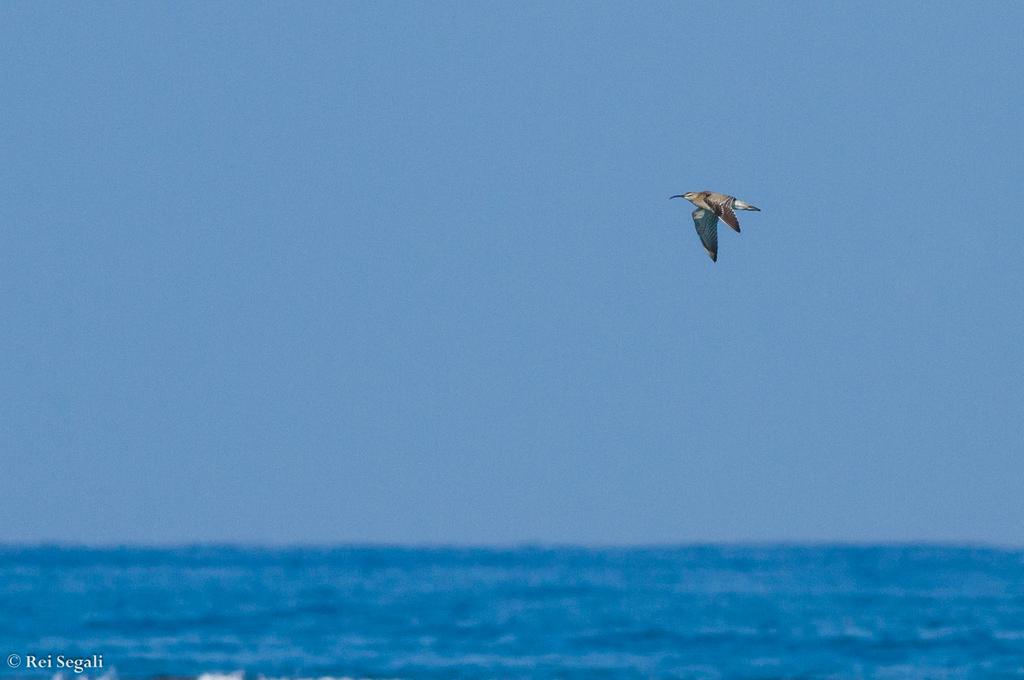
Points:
(687, 612)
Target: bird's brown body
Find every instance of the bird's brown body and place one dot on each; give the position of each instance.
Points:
(720, 204)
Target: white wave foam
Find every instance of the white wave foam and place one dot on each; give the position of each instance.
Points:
(216, 675)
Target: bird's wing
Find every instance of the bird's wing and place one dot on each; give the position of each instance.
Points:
(724, 210)
(707, 228)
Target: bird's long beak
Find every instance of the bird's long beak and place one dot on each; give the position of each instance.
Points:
(676, 196)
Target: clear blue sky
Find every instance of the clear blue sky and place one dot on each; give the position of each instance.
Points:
(408, 272)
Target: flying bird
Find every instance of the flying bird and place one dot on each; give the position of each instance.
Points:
(711, 206)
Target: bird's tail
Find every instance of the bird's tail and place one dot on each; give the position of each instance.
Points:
(740, 205)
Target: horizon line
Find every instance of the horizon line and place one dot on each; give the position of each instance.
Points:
(539, 545)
